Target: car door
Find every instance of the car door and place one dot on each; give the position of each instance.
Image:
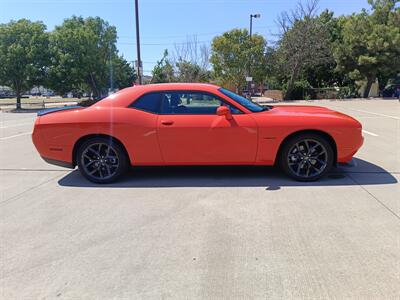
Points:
(190, 132)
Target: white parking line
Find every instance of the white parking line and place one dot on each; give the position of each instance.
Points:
(374, 113)
(370, 133)
(13, 136)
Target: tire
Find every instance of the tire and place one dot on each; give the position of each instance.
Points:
(101, 160)
(307, 157)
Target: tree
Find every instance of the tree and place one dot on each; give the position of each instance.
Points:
(23, 55)
(304, 45)
(191, 61)
(124, 74)
(325, 74)
(163, 71)
(369, 46)
(81, 50)
(188, 72)
(233, 53)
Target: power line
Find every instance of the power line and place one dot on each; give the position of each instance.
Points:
(190, 35)
(169, 36)
(163, 44)
(178, 43)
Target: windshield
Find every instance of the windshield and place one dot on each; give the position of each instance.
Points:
(250, 105)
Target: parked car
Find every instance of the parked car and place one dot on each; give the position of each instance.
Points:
(194, 124)
(392, 90)
(5, 94)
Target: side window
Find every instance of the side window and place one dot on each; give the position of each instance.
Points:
(148, 102)
(192, 103)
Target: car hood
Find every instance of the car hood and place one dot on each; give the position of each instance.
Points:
(302, 109)
(310, 111)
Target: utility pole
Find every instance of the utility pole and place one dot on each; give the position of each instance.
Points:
(111, 70)
(139, 60)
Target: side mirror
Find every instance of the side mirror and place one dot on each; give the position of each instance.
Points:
(224, 111)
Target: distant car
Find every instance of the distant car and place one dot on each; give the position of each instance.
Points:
(48, 94)
(7, 94)
(193, 124)
(392, 90)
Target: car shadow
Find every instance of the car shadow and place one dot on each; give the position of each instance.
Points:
(358, 172)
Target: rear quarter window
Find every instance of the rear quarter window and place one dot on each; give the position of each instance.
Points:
(148, 102)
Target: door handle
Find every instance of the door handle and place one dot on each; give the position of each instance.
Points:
(167, 123)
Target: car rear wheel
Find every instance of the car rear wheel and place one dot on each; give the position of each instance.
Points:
(101, 160)
(307, 157)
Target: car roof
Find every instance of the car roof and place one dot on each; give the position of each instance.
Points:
(175, 86)
(126, 96)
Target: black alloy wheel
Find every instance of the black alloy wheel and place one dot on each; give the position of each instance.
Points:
(307, 157)
(101, 160)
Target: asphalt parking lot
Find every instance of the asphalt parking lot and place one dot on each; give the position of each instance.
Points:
(203, 233)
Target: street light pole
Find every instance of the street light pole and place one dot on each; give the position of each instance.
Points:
(251, 25)
(249, 82)
(255, 16)
(139, 60)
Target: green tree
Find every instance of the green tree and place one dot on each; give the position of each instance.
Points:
(325, 74)
(188, 72)
(191, 61)
(23, 55)
(304, 46)
(233, 53)
(191, 72)
(123, 72)
(370, 43)
(81, 50)
(163, 71)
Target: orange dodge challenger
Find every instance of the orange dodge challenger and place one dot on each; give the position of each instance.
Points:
(193, 124)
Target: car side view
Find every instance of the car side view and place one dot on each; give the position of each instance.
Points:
(194, 124)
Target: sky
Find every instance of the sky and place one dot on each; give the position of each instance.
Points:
(166, 22)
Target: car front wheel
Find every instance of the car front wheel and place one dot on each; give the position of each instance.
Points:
(101, 160)
(307, 157)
